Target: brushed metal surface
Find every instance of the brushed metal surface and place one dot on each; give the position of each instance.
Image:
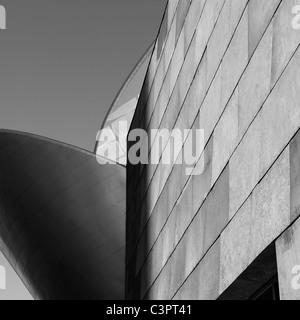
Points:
(62, 218)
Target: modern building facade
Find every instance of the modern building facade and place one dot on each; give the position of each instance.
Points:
(230, 229)
(230, 68)
(62, 214)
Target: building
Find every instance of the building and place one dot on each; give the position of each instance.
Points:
(62, 219)
(111, 141)
(230, 68)
(62, 215)
(230, 229)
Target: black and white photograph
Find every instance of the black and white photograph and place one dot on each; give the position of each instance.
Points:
(150, 152)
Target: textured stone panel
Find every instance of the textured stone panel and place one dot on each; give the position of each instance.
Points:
(161, 106)
(196, 93)
(169, 48)
(183, 211)
(195, 242)
(261, 219)
(160, 290)
(187, 116)
(225, 137)
(182, 10)
(281, 114)
(244, 167)
(254, 86)
(217, 209)
(158, 86)
(288, 261)
(187, 73)
(150, 73)
(206, 24)
(181, 88)
(177, 263)
(202, 182)
(203, 283)
(286, 39)
(235, 60)
(200, 235)
(295, 176)
(177, 61)
(260, 15)
(192, 20)
(219, 41)
(211, 111)
(172, 6)
(161, 40)
(167, 238)
(227, 22)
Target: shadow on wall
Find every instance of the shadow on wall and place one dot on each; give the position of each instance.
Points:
(141, 212)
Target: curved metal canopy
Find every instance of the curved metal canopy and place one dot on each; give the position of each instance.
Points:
(62, 218)
(112, 135)
(62, 214)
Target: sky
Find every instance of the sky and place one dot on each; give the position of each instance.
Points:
(61, 64)
(63, 61)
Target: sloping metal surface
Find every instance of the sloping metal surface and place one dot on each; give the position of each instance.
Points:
(62, 219)
(112, 135)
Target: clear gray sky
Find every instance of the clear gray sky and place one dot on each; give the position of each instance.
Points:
(63, 61)
(61, 64)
